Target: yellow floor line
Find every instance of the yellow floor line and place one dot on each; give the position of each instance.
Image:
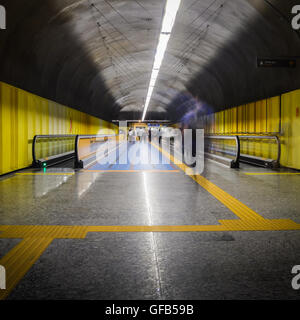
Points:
(133, 229)
(80, 232)
(265, 225)
(132, 171)
(56, 232)
(44, 174)
(226, 225)
(234, 205)
(270, 173)
(3, 228)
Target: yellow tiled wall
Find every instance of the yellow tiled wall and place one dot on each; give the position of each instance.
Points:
(24, 115)
(290, 117)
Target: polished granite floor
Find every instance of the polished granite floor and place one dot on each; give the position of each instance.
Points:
(198, 265)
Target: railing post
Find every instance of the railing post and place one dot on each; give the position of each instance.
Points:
(34, 162)
(238, 151)
(78, 163)
(278, 151)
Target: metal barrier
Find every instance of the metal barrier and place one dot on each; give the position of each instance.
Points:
(52, 149)
(237, 154)
(263, 162)
(210, 151)
(48, 150)
(86, 147)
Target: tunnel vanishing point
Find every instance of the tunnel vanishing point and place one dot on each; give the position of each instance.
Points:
(149, 149)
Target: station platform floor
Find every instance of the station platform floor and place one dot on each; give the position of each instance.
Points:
(150, 232)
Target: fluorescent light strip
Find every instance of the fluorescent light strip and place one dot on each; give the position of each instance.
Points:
(171, 10)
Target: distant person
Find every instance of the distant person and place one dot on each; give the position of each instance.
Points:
(144, 135)
(131, 136)
(159, 135)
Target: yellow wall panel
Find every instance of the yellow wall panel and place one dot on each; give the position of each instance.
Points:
(273, 112)
(261, 116)
(212, 123)
(219, 122)
(250, 117)
(242, 124)
(24, 115)
(227, 121)
(291, 129)
(234, 114)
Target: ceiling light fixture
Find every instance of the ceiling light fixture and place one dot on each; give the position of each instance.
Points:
(171, 10)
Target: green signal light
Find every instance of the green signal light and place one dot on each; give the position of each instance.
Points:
(45, 164)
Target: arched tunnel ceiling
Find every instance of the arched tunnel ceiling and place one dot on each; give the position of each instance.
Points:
(97, 55)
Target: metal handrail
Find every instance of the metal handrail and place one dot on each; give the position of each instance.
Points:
(276, 138)
(62, 136)
(86, 136)
(238, 145)
(36, 137)
(78, 137)
(238, 139)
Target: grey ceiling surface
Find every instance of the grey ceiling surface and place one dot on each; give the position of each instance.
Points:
(97, 55)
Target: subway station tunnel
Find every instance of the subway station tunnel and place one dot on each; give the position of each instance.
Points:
(83, 81)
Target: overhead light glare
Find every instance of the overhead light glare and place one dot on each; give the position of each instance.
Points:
(172, 7)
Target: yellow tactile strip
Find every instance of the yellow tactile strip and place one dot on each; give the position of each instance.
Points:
(79, 232)
(20, 259)
(131, 171)
(36, 240)
(225, 225)
(45, 174)
(55, 232)
(272, 173)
